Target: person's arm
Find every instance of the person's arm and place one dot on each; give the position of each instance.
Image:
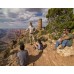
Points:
(37, 43)
(67, 37)
(27, 29)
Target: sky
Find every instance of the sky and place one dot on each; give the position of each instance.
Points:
(20, 17)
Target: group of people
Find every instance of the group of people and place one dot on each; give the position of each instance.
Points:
(66, 39)
(38, 44)
(22, 54)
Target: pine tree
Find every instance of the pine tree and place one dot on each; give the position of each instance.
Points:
(60, 18)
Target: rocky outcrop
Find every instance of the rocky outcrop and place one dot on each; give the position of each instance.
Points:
(67, 51)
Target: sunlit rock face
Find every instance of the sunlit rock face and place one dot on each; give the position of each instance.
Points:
(67, 51)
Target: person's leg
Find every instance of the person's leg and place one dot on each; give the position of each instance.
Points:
(64, 43)
(30, 38)
(68, 43)
(33, 39)
(57, 44)
(38, 47)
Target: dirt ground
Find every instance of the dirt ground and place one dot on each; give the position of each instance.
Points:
(48, 57)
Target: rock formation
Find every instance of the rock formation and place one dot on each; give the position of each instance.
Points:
(39, 24)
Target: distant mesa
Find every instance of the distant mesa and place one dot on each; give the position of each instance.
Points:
(2, 33)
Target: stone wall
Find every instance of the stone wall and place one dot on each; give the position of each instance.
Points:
(39, 24)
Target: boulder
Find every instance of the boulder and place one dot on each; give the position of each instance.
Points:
(67, 51)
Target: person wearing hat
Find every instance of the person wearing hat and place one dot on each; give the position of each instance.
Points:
(65, 41)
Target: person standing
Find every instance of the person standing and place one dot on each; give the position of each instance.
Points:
(31, 30)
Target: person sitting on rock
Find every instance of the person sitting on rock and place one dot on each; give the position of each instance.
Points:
(22, 56)
(64, 35)
(38, 45)
(67, 40)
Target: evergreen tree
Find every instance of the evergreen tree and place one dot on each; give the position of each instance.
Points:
(59, 18)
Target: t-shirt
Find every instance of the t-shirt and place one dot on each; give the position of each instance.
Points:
(70, 39)
(62, 36)
(31, 29)
(40, 46)
(22, 57)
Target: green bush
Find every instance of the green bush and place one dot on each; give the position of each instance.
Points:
(60, 18)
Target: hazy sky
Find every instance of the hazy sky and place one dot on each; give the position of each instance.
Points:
(20, 17)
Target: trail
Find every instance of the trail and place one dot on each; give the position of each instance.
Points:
(49, 57)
